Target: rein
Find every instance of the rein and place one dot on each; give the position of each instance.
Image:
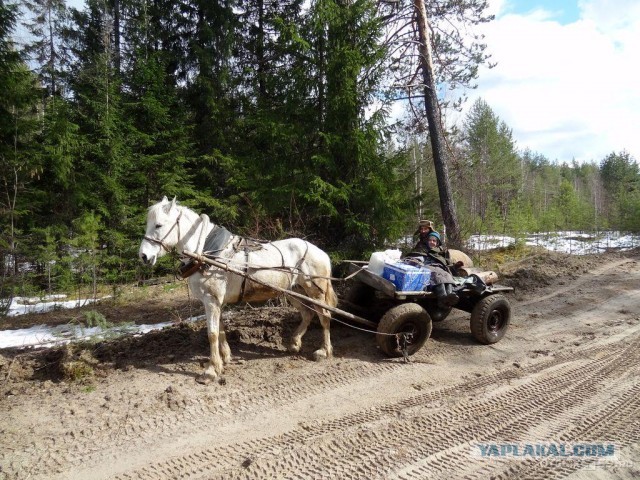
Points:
(294, 269)
(217, 241)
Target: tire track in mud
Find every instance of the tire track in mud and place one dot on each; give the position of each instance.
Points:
(617, 421)
(139, 431)
(433, 432)
(580, 281)
(568, 419)
(377, 442)
(78, 448)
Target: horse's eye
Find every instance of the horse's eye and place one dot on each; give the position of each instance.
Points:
(158, 226)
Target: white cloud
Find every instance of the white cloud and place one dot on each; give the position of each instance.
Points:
(567, 91)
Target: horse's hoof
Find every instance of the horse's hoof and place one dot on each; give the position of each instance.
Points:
(320, 355)
(294, 348)
(205, 379)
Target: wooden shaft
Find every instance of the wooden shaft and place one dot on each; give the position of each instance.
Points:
(304, 298)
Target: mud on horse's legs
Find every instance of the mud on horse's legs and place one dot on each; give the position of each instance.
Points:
(215, 367)
(307, 316)
(327, 350)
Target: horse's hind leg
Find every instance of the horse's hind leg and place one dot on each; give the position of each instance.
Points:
(327, 349)
(307, 315)
(225, 350)
(212, 312)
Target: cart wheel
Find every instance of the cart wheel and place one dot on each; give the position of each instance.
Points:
(409, 318)
(490, 318)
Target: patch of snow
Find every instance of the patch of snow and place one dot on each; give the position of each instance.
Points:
(44, 336)
(575, 243)
(23, 305)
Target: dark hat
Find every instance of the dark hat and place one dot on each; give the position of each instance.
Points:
(424, 223)
(434, 234)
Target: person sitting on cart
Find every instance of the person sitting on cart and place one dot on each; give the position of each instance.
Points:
(430, 252)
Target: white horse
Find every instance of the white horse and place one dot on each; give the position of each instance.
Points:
(293, 264)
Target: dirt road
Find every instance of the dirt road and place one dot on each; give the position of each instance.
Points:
(562, 383)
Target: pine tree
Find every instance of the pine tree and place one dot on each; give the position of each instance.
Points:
(432, 48)
(158, 135)
(494, 168)
(621, 178)
(47, 47)
(351, 186)
(210, 36)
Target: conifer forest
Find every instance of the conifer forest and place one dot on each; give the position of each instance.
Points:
(276, 118)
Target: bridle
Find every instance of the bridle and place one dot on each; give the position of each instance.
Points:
(161, 241)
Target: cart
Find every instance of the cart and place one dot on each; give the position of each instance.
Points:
(404, 318)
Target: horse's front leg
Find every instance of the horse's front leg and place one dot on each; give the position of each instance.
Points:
(212, 309)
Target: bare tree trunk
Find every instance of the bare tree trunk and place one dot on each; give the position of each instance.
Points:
(436, 134)
(116, 34)
(262, 84)
(417, 173)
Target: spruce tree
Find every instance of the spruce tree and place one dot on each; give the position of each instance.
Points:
(19, 166)
(103, 160)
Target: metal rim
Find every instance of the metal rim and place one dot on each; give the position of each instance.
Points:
(412, 329)
(496, 320)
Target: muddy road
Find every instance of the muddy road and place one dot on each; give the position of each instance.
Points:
(563, 382)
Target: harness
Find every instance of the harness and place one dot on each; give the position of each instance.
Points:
(250, 245)
(161, 241)
(215, 242)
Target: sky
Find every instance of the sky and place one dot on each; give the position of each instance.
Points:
(566, 79)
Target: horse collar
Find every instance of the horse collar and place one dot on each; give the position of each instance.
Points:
(216, 241)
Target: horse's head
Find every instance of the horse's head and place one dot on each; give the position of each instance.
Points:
(163, 230)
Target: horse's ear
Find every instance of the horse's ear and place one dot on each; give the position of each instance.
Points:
(164, 199)
(170, 205)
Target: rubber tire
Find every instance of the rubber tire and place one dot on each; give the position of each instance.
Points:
(407, 317)
(490, 319)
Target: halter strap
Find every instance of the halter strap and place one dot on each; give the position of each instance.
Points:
(161, 241)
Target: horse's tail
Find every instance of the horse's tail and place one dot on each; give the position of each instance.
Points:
(330, 297)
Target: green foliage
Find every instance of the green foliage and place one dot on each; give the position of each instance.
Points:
(96, 319)
(19, 165)
(621, 178)
(47, 48)
(508, 192)
(269, 116)
(491, 155)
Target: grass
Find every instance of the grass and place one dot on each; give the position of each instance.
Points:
(499, 258)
